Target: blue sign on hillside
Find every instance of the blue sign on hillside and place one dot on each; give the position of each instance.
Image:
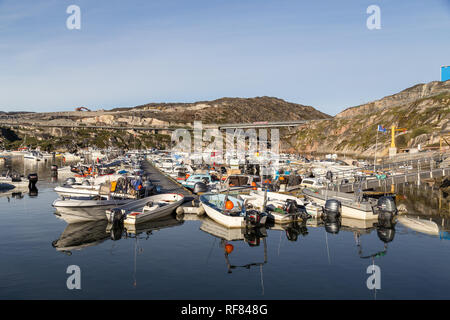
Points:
(445, 73)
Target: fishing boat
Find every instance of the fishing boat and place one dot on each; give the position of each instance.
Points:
(90, 202)
(283, 208)
(88, 207)
(124, 187)
(352, 207)
(231, 216)
(230, 211)
(197, 177)
(13, 179)
(145, 209)
(33, 155)
(81, 214)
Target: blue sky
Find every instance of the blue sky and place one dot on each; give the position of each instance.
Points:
(127, 53)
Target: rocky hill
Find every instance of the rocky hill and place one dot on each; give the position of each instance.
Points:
(423, 109)
(155, 115)
(225, 110)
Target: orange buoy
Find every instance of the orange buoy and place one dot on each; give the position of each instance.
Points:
(229, 248)
(254, 185)
(229, 205)
(281, 178)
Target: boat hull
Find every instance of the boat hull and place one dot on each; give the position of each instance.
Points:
(145, 216)
(217, 216)
(355, 210)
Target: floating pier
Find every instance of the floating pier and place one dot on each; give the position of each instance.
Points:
(166, 183)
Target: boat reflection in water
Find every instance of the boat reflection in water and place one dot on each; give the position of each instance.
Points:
(252, 236)
(294, 229)
(77, 236)
(80, 235)
(141, 231)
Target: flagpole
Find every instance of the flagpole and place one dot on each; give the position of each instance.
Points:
(376, 148)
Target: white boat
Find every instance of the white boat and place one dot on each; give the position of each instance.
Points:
(33, 155)
(276, 202)
(70, 157)
(312, 183)
(76, 215)
(214, 205)
(77, 190)
(146, 209)
(97, 180)
(14, 179)
(90, 202)
(420, 225)
(351, 207)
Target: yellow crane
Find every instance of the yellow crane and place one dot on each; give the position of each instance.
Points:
(394, 129)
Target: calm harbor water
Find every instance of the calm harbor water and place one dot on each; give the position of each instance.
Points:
(174, 259)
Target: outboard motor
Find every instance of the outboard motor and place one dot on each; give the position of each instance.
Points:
(70, 181)
(116, 217)
(290, 206)
(332, 209)
(32, 180)
(303, 213)
(200, 187)
(386, 209)
(252, 218)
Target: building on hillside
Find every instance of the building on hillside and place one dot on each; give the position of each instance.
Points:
(445, 73)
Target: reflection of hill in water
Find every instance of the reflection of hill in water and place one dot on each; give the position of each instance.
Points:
(27, 166)
(423, 200)
(426, 202)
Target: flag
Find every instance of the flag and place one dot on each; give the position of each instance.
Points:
(381, 128)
